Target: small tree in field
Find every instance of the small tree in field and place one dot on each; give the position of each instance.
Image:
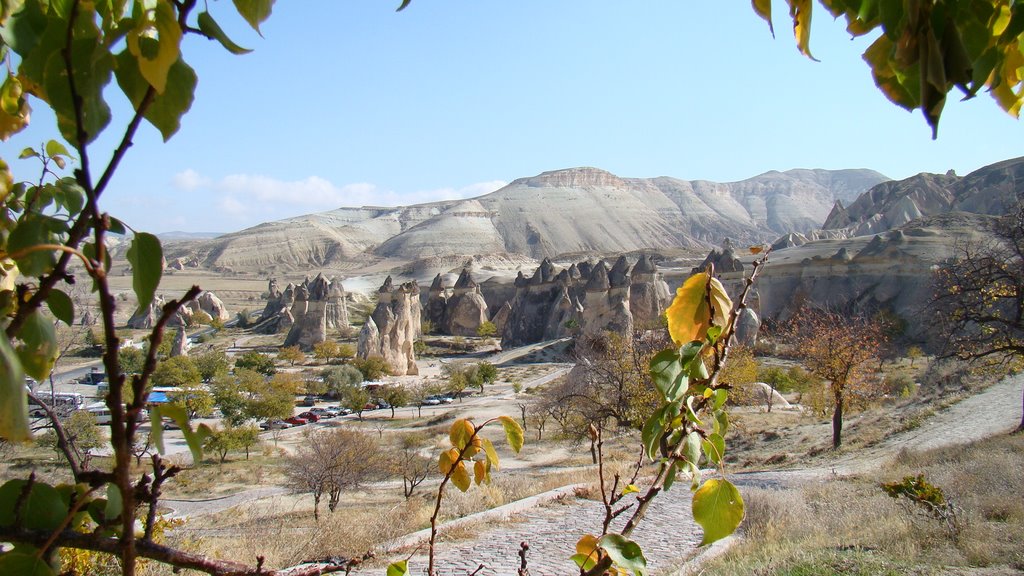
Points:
(256, 361)
(291, 355)
(326, 350)
(408, 461)
(841, 349)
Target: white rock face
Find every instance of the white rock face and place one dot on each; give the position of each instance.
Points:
(573, 210)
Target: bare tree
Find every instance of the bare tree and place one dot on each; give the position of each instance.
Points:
(333, 461)
(979, 299)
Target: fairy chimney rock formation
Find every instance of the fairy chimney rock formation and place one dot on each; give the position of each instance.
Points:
(437, 304)
(179, 347)
(606, 307)
(649, 294)
(396, 319)
(466, 308)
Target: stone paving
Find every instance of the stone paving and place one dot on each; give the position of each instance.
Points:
(667, 535)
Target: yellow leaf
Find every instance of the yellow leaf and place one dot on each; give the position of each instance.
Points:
(689, 316)
(587, 545)
(513, 432)
(447, 460)
(460, 433)
(763, 8)
(156, 55)
(492, 454)
(481, 472)
(630, 489)
(460, 477)
(800, 10)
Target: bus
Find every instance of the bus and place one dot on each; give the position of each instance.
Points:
(63, 403)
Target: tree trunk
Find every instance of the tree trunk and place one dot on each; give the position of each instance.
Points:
(837, 422)
(1020, 428)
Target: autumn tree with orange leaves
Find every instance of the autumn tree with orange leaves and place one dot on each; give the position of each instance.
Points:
(841, 349)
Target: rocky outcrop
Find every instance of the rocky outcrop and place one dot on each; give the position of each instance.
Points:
(466, 308)
(437, 304)
(991, 190)
(305, 312)
(649, 294)
(597, 211)
(584, 298)
(393, 327)
(180, 345)
(606, 306)
(210, 304)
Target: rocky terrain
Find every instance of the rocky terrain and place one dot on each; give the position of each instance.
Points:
(598, 212)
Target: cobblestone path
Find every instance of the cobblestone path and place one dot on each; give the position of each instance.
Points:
(667, 535)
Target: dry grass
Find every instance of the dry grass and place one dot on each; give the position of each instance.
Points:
(849, 526)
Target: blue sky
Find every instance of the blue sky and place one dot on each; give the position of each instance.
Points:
(349, 103)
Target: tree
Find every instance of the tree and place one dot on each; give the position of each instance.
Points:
(407, 460)
(979, 298)
(291, 355)
(354, 397)
(83, 437)
(396, 396)
(333, 461)
(326, 350)
(338, 377)
(194, 398)
(131, 359)
(247, 395)
(211, 364)
(230, 439)
(257, 361)
(925, 49)
(839, 348)
(373, 368)
(177, 371)
(486, 329)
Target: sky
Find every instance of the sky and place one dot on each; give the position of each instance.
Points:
(348, 103)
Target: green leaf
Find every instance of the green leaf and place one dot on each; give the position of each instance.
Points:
(624, 553)
(61, 306)
(665, 369)
(400, 568)
(194, 438)
(24, 564)
(38, 349)
(115, 504)
(654, 429)
(92, 64)
(692, 448)
(670, 475)
(721, 395)
(404, 4)
(43, 509)
(147, 260)
(157, 428)
(721, 423)
(28, 153)
(54, 149)
(691, 415)
(167, 108)
(718, 508)
(210, 27)
(32, 231)
(155, 56)
(714, 447)
(72, 196)
(513, 432)
(492, 454)
(255, 12)
(13, 400)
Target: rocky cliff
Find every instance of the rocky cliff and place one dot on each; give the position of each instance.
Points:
(564, 211)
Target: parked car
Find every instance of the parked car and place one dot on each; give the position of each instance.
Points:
(430, 401)
(323, 413)
(308, 401)
(275, 425)
(296, 420)
(342, 410)
(310, 416)
(381, 404)
(369, 406)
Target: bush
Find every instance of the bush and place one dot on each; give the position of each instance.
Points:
(900, 384)
(373, 368)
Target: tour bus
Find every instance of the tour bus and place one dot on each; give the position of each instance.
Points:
(63, 403)
(99, 411)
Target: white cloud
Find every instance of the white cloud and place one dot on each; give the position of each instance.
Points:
(190, 180)
(253, 198)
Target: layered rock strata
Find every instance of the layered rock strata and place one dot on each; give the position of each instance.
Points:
(393, 327)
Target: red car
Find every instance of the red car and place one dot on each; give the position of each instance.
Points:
(296, 421)
(310, 417)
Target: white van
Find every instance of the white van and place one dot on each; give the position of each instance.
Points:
(99, 411)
